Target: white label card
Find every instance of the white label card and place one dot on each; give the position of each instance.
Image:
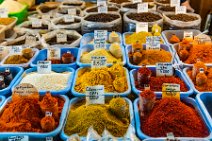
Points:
(18, 138)
(153, 42)
(30, 40)
(142, 7)
(142, 26)
(164, 69)
(48, 114)
(72, 11)
(44, 67)
(61, 38)
(98, 61)
(137, 1)
(16, 49)
(101, 3)
(174, 3)
(188, 34)
(102, 9)
(95, 95)
(100, 37)
(3, 13)
(180, 10)
(36, 23)
(68, 18)
(54, 53)
(49, 139)
(171, 90)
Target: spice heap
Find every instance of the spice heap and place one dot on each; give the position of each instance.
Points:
(145, 76)
(144, 17)
(95, 9)
(183, 17)
(5, 78)
(113, 78)
(6, 21)
(102, 17)
(135, 6)
(167, 9)
(113, 116)
(53, 81)
(172, 115)
(27, 114)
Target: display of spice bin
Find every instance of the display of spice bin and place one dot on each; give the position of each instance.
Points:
(89, 48)
(2, 99)
(73, 101)
(177, 73)
(16, 73)
(182, 139)
(36, 135)
(89, 37)
(204, 100)
(42, 56)
(58, 70)
(187, 101)
(125, 93)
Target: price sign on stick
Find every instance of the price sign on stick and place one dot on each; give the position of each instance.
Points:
(171, 90)
(102, 9)
(16, 49)
(180, 10)
(95, 94)
(164, 69)
(36, 23)
(54, 53)
(142, 7)
(61, 38)
(44, 67)
(98, 61)
(142, 26)
(174, 3)
(100, 37)
(3, 13)
(153, 42)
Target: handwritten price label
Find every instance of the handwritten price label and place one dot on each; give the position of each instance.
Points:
(142, 26)
(98, 61)
(44, 67)
(174, 3)
(153, 42)
(95, 95)
(16, 49)
(180, 10)
(3, 13)
(142, 7)
(100, 37)
(164, 69)
(54, 53)
(171, 90)
(61, 38)
(18, 138)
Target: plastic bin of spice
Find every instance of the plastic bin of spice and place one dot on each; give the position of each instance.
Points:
(204, 100)
(35, 135)
(73, 101)
(132, 66)
(78, 94)
(16, 73)
(182, 139)
(89, 37)
(42, 56)
(177, 73)
(10, 24)
(89, 48)
(2, 99)
(55, 69)
(185, 100)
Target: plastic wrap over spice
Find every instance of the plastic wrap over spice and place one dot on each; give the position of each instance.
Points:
(95, 21)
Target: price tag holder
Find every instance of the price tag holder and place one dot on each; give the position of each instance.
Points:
(44, 67)
(72, 11)
(25, 89)
(164, 69)
(180, 10)
(95, 95)
(16, 49)
(100, 37)
(171, 90)
(30, 40)
(49, 139)
(61, 38)
(98, 61)
(142, 26)
(153, 42)
(188, 35)
(18, 138)
(137, 1)
(54, 53)
(174, 3)
(102, 9)
(68, 18)
(36, 23)
(142, 7)
(101, 3)
(3, 13)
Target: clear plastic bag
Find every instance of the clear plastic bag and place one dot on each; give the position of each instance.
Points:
(89, 26)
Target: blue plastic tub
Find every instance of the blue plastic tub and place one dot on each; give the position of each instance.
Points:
(64, 136)
(58, 70)
(16, 72)
(186, 100)
(2, 99)
(159, 93)
(129, 48)
(42, 56)
(88, 38)
(34, 136)
(77, 94)
(182, 139)
(88, 48)
(204, 101)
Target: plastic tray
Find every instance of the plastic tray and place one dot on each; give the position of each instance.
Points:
(159, 93)
(88, 37)
(42, 56)
(24, 65)
(89, 48)
(17, 72)
(34, 136)
(77, 94)
(2, 99)
(181, 139)
(187, 100)
(64, 136)
(131, 66)
(58, 70)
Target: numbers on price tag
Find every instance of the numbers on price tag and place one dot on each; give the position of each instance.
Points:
(171, 90)
(48, 114)
(61, 38)
(95, 95)
(137, 1)
(164, 69)
(44, 67)
(72, 11)
(54, 53)
(100, 37)
(18, 138)
(16, 49)
(25, 89)
(174, 3)
(142, 26)
(153, 42)
(102, 9)
(3, 13)
(98, 61)
(36, 23)
(30, 40)
(188, 34)
(142, 7)
(180, 10)
(101, 3)
(68, 18)
(49, 139)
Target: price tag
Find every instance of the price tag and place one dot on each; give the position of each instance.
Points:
(102, 9)
(95, 95)
(170, 136)
(164, 69)
(137, 1)
(171, 90)
(153, 42)
(101, 3)
(30, 40)
(61, 38)
(48, 114)
(16, 49)
(54, 53)
(18, 138)
(72, 11)
(142, 26)
(44, 67)
(36, 23)
(100, 37)
(49, 139)
(174, 3)
(46, 17)
(188, 35)
(202, 39)
(142, 7)
(98, 61)
(25, 89)
(180, 10)
(3, 13)
(1, 49)
(68, 18)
